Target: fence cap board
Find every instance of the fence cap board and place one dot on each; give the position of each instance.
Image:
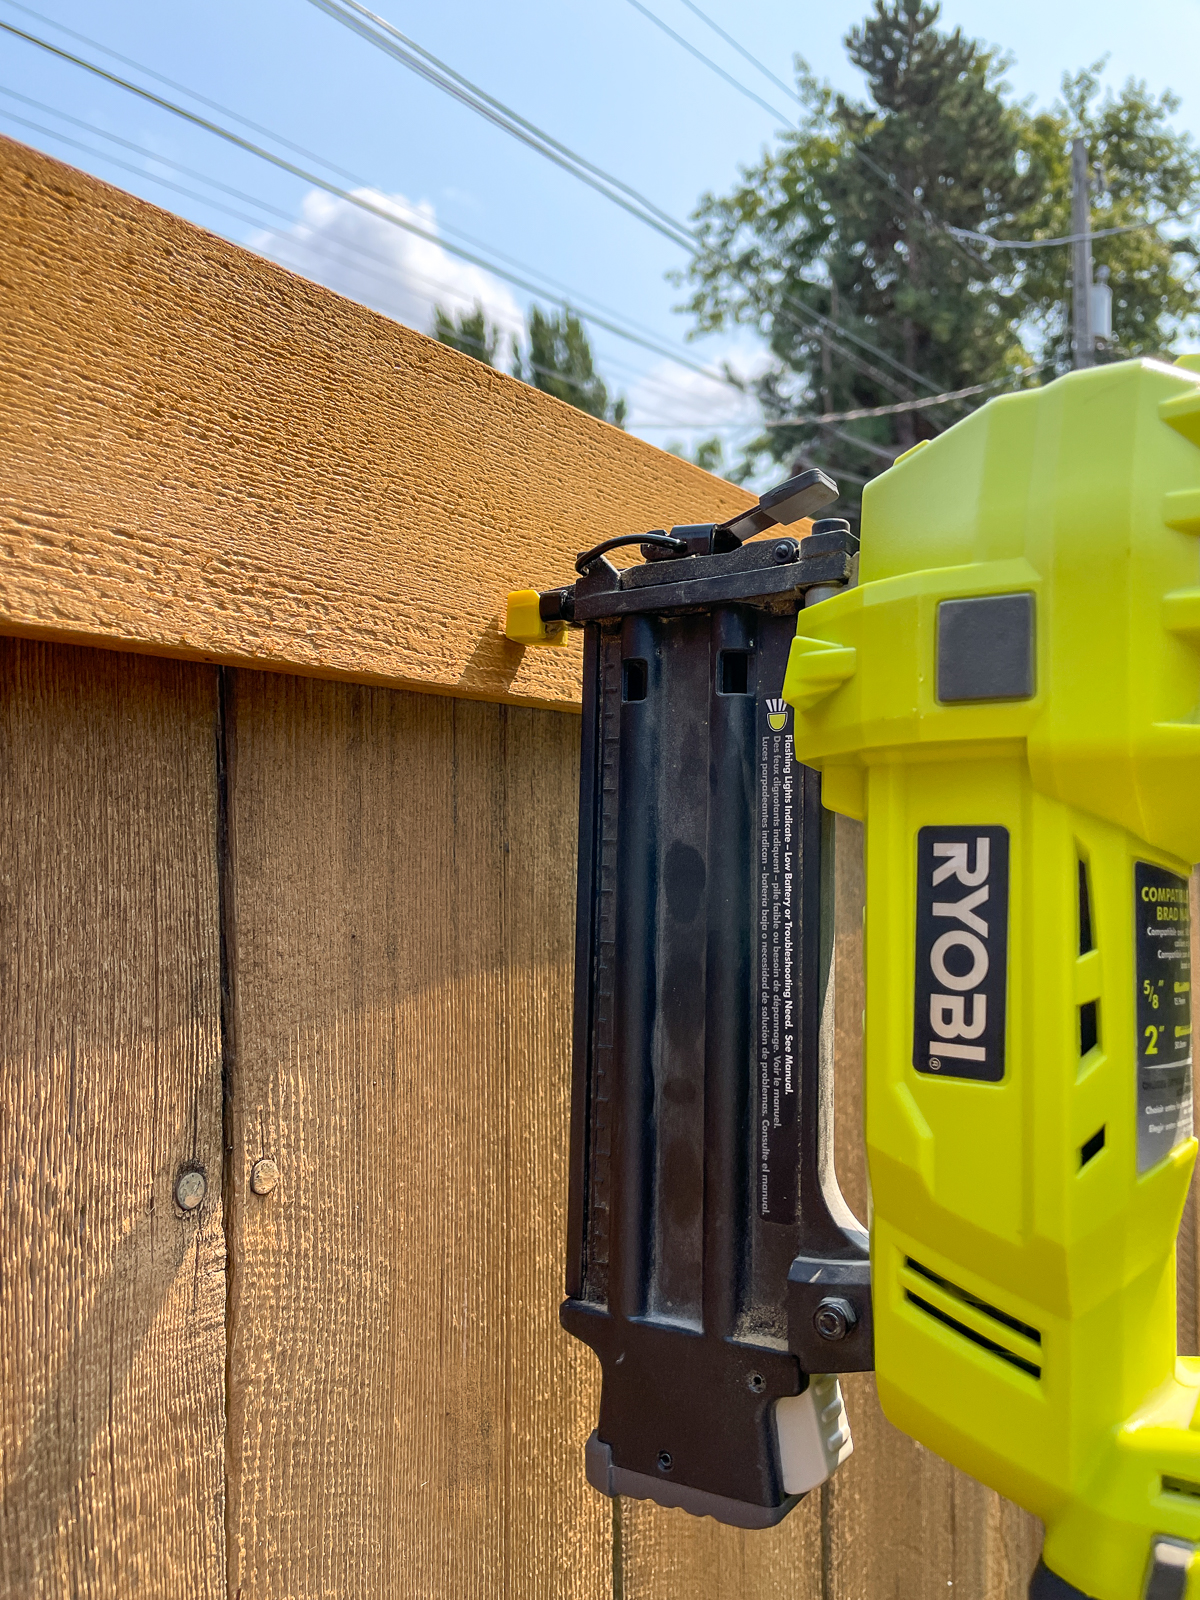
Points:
(203, 455)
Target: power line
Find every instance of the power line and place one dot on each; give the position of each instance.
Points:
(1072, 238)
(889, 178)
(572, 302)
(320, 244)
(138, 149)
(576, 299)
(570, 296)
(893, 183)
(172, 83)
(741, 50)
(386, 214)
(257, 127)
(127, 166)
(430, 67)
(390, 215)
(309, 240)
(932, 222)
(696, 425)
(867, 445)
(810, 418)
(707, 60)
(418, 59)
(377, 31)
(827, 418)
(406, 52)
(358, 200)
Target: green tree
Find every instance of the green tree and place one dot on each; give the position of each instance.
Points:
(469, 332)
(560, 363)
(840, 246)
(709, 453)
(1145, 171)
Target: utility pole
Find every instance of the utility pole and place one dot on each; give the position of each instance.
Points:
(1083, 338)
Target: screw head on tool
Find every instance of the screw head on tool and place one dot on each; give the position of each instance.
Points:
(264, 1175)
(786, 550)
(664, 1461)
(756, 1383)
(834, 1318)
(190, 1188)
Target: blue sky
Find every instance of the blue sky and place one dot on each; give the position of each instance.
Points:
(598, 76)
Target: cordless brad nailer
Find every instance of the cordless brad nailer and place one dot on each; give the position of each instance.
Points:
(1009, 701)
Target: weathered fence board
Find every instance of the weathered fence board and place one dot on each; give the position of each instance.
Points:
(667, 1555)
(112, 1301)
(406, 1417)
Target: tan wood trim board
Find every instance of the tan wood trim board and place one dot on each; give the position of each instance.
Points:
(202, 455)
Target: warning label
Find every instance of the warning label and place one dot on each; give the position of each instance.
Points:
(1164, 1012)
(778, 1001)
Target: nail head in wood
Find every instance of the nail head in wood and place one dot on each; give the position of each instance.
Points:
(190, 1188)
(264, 1175)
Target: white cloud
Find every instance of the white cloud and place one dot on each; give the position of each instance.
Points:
(672, 404)
(686, 400)
(369, 259)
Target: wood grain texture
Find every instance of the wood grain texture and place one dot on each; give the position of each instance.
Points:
(669, 1555)
(204, 455)
(112, 1302)
(406, 1416)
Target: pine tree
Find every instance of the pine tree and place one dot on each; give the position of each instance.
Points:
(561, 363)
(850, 220)
(470, 332)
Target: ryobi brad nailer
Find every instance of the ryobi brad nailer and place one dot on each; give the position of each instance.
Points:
(1010, 699)
(1011, 702)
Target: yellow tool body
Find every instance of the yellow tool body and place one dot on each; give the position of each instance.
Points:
(1010, 701)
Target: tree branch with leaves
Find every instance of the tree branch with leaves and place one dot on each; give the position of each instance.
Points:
(847, 247)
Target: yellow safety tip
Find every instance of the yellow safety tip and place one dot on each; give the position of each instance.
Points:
(523, 623)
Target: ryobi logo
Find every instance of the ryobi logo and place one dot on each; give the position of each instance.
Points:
(962, 952)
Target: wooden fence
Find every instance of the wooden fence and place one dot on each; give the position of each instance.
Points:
(287, 875)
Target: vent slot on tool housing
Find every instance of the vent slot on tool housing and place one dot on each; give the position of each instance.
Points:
(993, 1330)
(1092, 1147)
(1089, 1026)
(1088, 1022)
(1086, 941)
